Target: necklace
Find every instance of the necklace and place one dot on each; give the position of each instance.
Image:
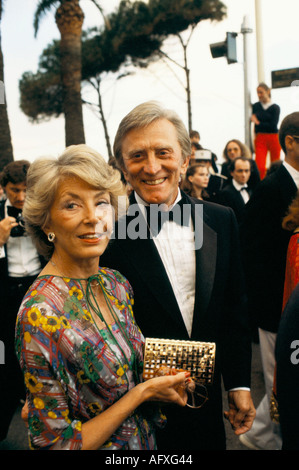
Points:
(134, 367)
(91, 299)
(96, 283)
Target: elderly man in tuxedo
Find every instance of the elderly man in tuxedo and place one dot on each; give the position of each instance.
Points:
(187, 279)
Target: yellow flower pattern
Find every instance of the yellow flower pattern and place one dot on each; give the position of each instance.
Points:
(73, 371)
(34, 316)
(76, 292)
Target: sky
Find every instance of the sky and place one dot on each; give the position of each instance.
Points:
(217, 88)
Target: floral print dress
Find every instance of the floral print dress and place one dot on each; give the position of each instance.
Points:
(73, 371)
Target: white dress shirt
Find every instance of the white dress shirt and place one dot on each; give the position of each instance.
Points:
(293, 172)
(178, 258)
(244, 193)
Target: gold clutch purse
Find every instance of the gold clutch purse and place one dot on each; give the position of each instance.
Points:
(195, 357)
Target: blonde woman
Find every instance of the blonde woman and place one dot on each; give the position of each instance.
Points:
(76, 338)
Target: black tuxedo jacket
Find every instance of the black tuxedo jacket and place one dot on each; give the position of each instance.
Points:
(219, 312)
(264, 246)
(231, 197)
(287, 377)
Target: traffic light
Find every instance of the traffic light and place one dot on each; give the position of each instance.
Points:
(226, 48)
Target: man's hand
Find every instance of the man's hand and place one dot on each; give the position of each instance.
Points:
(241, 412)
(6, 225)
(25, 413)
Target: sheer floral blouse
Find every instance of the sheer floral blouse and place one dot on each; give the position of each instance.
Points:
(73, 371)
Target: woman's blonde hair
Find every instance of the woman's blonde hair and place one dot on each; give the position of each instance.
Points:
(46, 173)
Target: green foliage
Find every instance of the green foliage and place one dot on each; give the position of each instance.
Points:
(41, 96)
(43, 7)
(135, 36)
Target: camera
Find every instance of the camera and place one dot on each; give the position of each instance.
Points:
(19, 230)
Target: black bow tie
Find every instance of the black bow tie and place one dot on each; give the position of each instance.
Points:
(180, 214)
(243, 188)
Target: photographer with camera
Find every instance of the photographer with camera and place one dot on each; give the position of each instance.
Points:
(19, 265)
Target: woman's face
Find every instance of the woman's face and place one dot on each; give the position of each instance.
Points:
(233, 150)
(81, 218)
(200, 179)
(263, 95)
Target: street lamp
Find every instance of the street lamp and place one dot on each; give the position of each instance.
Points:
(245, 30)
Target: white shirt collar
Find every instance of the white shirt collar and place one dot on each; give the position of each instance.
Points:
(238, 186)
(266, 105)
(293, 172)
(6, 205)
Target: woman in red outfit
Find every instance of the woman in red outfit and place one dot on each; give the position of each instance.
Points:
(291, 222)
(265, 116)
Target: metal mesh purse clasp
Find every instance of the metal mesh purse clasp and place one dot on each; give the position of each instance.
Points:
(195, 357)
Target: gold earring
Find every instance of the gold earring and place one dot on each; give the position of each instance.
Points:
(51, 237)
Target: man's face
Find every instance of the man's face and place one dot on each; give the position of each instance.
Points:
(241, 173)
(153, 162)
(16, 193)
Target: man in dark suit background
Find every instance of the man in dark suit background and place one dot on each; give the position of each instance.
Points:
(185, 287)
(236, 193)
(264, 246)
(19, 265)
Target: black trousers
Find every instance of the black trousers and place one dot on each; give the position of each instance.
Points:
(190, 429)
(12, 388)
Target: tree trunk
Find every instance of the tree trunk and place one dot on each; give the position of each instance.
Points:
(69, 19)
(103, 119)
(6, 151)
(187, 73)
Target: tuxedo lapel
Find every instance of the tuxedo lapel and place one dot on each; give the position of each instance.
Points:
(286, 185)
(206, 258)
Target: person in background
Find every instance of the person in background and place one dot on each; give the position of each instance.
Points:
(273, 167)
(195, 139)
(290, 223)
(265, 116)
(264, 245)
(234, 149)
(19, 265)
(196, 181)
(77, 341)
(216, 181)
(236, 193)
(183, 289)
